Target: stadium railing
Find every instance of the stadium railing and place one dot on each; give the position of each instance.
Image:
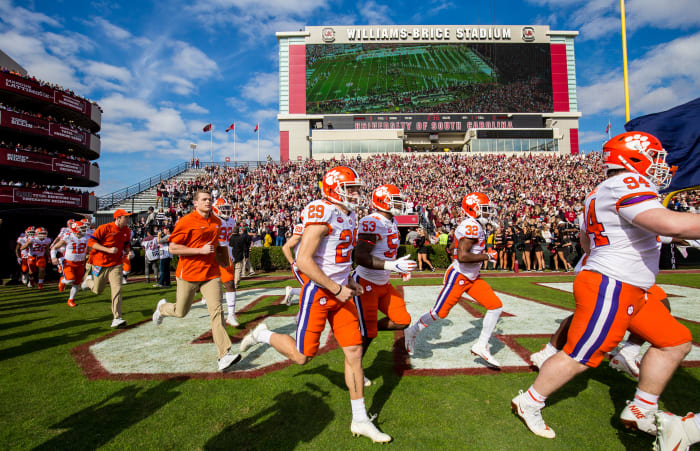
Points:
(108, 200)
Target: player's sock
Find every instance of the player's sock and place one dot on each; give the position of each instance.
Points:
(230, 302)
(263, 336)
(426, 320)
(551, 348)
(647, 400)
(359, 412)
(73, 291)
(489, 325)
(534, 397)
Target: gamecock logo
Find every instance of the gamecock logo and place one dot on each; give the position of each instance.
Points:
(528, 34)
(328, 35)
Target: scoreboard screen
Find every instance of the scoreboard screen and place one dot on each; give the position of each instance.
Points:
(428, 78)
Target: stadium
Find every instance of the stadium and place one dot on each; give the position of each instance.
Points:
(439, 111)
(360, 91)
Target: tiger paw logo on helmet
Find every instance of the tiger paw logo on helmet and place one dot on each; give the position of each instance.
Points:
(331, 177)
(637, 142)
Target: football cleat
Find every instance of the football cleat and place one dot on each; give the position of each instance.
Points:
(157, 316)
(369, 430)
(622, 362)
(71, 303)
(287, 295)
(410, 335)
(40, 286)
(231, 321)
(531, 414)
(61, 286)
(118, 323)
(675, 433)
(252, 338)
(483, 352)
(227, 361)
(538, 358)
(638, 417)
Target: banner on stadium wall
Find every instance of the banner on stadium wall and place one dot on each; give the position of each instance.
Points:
(406, 220)
(41, 162)
(43, 127)
(432, 122)
(41, 198)
(33, 89)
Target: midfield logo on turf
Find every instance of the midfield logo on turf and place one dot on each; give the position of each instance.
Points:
(183, 347)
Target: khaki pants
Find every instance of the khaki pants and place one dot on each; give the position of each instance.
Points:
(113, 275)
(211, 290)
(238, 272)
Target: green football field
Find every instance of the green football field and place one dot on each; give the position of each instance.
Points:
(356, 76)
(55, 396)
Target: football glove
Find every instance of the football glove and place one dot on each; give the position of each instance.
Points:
(402, 265)
(694, 243)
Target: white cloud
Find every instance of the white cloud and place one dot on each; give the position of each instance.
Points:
(18, 18)
(664, 77)
(263, 88)
(373, 13)
(191, 62)
(107, 71)
(178, 84)
(195, 108)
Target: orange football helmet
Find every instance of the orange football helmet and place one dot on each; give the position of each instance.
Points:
(388, 198)
(222, 208)
(79, 228)
(641, 153)
(41, 233)
(336, 183)
(477, 205)
(30, 232)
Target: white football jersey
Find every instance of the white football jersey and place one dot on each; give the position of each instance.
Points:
(76, 247)
(387, 234)
(65, 231)
(22, 240)
(334, 253)
(619, 249)
(38, 247)
(225, 233)
(152, 248)
(470, 228)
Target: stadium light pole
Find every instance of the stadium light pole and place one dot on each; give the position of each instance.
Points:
(193, 146)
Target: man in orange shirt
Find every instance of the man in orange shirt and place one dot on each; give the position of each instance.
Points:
(108, 243)
(195, 240)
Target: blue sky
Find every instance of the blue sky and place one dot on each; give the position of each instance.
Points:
(162, 70)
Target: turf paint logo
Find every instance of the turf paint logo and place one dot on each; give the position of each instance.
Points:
(328, 35)
(183, 347)
(528, 34)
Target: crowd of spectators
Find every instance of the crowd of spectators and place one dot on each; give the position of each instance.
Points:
(18, 147)
(47, 84)
(47, 118)
(539, 198)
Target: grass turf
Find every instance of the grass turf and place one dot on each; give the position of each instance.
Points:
(47, 403)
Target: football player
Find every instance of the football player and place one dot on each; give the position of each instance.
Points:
(377, 245)
(22, 253)
(289, 249)
(622, 217)
(75, 244)
(325, 256)
(224, 210)
(462, 276)
(37, 255)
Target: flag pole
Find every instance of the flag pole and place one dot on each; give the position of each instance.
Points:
(624, 61)
(211, 143)
(258, 143)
